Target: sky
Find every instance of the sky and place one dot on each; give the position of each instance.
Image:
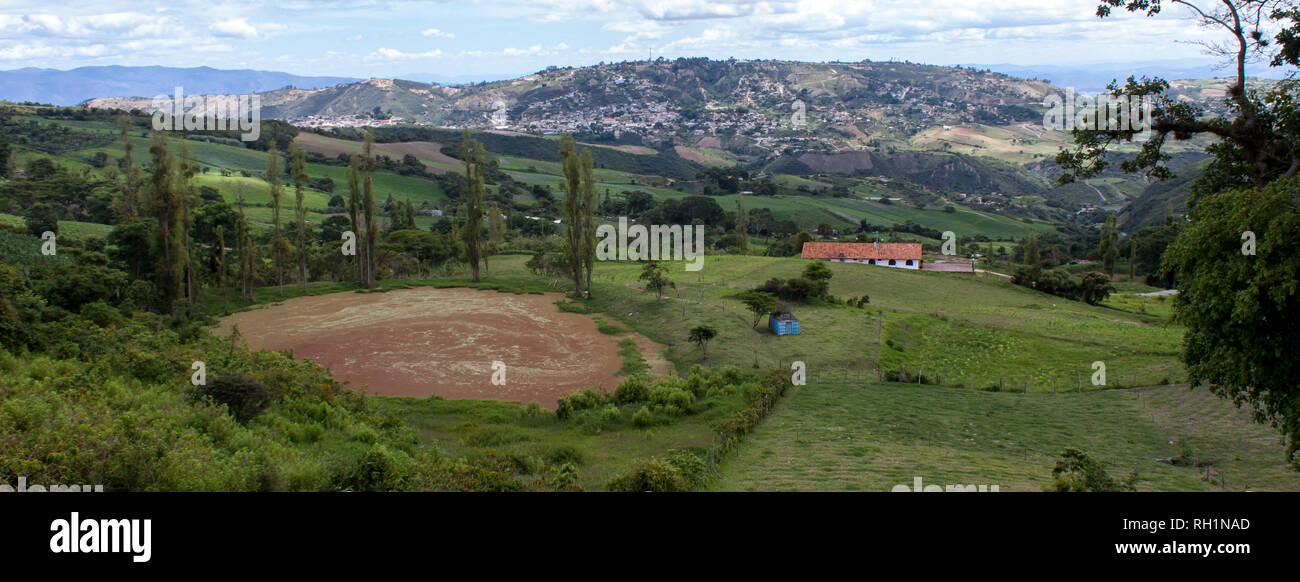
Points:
(501, 38)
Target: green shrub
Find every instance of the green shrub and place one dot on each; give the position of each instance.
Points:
(655, 475)
(590, 422)
(1075, 471)
(560, 454)
(379, 469)
(643, 417)
(585, 400)
(671, 391)
(679, 471)
(102, 314)
(243, 396)
(690, 465)
(631, 389)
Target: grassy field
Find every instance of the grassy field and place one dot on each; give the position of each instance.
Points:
(67, 228)
(971, 331)
(871, 437)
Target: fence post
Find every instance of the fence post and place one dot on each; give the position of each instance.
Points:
(999, 383)
(1078, 377)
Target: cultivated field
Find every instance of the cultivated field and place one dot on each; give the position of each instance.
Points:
(871, 437)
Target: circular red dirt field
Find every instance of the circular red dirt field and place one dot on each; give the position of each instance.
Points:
(425, 341)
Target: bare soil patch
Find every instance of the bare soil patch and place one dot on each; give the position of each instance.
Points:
(426, 341)
(692, 155)
(625, 148)
(710, 141)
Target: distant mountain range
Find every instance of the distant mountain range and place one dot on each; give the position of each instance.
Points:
(767, 104)
(77, 85)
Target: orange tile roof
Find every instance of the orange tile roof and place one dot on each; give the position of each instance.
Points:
(830, 250)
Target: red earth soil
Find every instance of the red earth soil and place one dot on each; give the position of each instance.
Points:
(426, 341)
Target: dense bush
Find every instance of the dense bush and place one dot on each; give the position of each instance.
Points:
(631, 389)
(643, 417)
(1076, 471)
(242, 396)
(671, 395)
(814, 283)
(1092, 288)
(678, 471)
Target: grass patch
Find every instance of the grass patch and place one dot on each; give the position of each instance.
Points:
(608, 328)
(633, 362)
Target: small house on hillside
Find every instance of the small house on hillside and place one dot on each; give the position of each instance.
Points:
(897, 255)
(783, 324)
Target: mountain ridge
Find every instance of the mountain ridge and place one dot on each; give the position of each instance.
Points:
(75, 86)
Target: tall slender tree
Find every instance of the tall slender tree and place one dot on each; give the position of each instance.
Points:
(186, 171)
(129, 208)
(1132, 259)
(472, 152)
(742, 226)
(273, 178)
(571, 209)
(164, 205)
(588, 221)
(1032, 256)
(354, 208)
(1107, 249)
(372, 230)
(221, 261)
(298, 171)
(244, 247)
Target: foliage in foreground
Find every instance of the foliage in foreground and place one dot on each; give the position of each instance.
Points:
(113, 405)
(1240, 308)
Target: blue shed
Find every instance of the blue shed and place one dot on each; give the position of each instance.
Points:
(783, 324)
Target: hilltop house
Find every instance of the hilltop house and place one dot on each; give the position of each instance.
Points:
(898, 255)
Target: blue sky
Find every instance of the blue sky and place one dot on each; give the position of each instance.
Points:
(378, 38)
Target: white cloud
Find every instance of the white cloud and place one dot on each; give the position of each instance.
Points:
(234, 27)
(387, 54)
(436, 33)
(32, 51)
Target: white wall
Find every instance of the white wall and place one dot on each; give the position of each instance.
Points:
(902, 264)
